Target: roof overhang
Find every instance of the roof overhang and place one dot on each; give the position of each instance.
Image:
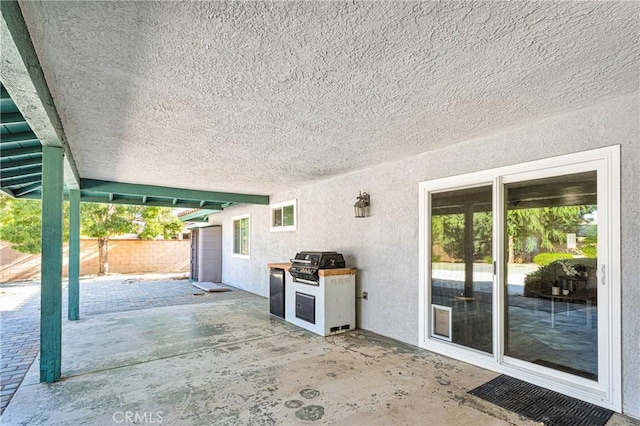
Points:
(25, 130)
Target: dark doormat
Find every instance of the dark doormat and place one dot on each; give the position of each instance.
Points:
(540, 404)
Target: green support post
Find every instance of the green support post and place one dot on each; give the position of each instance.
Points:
(51, 281)
(74, 254)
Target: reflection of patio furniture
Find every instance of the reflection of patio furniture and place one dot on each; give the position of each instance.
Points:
(465, 301)
(571, 282)
(540, 281)
(576, 297)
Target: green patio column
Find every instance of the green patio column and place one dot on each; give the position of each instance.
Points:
(74, 254)
(51, 270)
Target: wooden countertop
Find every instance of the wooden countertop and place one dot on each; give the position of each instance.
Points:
(337, 271)
(283, 265)
(322, 272)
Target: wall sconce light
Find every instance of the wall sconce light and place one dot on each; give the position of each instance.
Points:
(362, 205)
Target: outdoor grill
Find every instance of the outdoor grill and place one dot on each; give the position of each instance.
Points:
(307, 264)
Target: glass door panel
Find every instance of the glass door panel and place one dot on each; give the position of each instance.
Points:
(551, 282)
(462, 267)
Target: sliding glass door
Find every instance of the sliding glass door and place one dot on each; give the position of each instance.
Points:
(462, 265)
(551, 284)
(520, 272)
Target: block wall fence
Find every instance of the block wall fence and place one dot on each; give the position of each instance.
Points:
(125, 257)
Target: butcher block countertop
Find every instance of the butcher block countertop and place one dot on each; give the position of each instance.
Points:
(322, 272)
(283, 265)
(337, 271)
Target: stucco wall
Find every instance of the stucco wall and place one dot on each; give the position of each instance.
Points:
(384, 246)
(125, 257)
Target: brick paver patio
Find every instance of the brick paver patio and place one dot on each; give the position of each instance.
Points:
(20, 313)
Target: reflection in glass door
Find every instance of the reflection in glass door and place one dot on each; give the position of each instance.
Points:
(462, 267)
(551, 281)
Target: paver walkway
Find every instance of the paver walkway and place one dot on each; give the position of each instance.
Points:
(20, 313)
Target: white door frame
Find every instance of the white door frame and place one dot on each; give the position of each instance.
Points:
(607, 391)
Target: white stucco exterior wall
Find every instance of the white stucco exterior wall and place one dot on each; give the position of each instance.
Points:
(384, 246)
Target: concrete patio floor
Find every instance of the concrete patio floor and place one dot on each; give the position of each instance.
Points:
(230, 362)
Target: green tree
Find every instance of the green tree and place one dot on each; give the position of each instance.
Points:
(21, 224)
(159, 221)
(448, 233)
(531, 230)
(103, 221)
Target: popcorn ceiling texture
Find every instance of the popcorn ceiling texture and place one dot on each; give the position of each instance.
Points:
(261, 97)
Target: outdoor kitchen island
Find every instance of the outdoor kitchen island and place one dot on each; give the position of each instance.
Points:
(325, 307)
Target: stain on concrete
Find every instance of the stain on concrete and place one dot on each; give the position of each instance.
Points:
(262, 414)
(309, 393)
(310, 412)
(294, 403)
(400, 393)
(205, 329)
(442, 381)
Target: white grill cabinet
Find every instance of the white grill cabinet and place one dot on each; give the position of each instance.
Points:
(327, 308)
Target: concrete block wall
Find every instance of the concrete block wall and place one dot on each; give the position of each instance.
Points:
(125, 257)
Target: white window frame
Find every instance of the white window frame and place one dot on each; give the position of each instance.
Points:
(606, 393)
(233, 233)
(281, 206)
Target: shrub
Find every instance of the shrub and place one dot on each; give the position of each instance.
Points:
(544, 259)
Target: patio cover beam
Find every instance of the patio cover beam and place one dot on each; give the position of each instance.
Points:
(166, 192)
(10, 165)
(14, 152)
(22, 76)
(27, 171)
(21, 181)
(27, 189)
(18, 137)
(153, 203)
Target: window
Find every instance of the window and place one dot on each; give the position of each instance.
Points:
(241, 236)
(283, 216)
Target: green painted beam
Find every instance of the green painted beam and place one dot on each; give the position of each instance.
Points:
(74, 255)
(31, 161)
(19, 137)
(12, 118)
(15, 152)
(166, 192)
(7, 192)
(25, 82)
(27, 189)
(27, 171)
(51, 266)
(138, 202)
(21, 181)
(7, 105)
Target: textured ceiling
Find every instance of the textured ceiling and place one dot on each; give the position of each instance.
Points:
(258, 97)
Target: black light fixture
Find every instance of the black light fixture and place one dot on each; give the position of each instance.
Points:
(362, 205)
